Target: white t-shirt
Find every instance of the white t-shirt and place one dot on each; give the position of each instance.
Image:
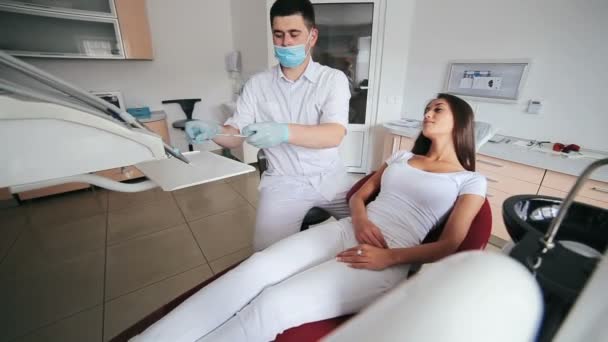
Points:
(321, 95)
(411, 201)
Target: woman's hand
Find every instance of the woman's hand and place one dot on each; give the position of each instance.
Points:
(367, 257)
(367, 232)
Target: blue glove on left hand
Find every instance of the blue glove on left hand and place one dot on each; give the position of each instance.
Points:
(198, 131)
(266, 134)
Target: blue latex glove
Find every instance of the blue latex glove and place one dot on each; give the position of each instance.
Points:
(266, 134)
(198, 131)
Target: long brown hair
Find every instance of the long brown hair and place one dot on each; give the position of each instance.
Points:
(462, 134)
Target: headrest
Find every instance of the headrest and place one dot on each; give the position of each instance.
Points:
(483, 132)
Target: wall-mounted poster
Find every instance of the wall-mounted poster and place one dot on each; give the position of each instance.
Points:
(491, 80)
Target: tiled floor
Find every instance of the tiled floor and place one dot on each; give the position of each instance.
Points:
(86, 265)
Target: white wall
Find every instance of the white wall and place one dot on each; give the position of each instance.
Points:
(250, 34)
(190, 39)
(566, 40)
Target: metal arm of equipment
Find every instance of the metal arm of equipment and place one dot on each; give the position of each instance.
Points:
(83, 96)
(100, 181)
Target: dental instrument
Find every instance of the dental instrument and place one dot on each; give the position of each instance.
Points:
(232, 135)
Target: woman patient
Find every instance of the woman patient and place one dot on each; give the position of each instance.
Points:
(341, 267)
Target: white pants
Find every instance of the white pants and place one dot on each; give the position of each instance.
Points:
(293, 282)
(281, 210)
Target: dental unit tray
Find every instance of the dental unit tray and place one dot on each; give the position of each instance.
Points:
(52, 133)
(171, 174)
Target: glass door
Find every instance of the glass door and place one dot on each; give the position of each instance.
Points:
(345, 38)
(347, 42)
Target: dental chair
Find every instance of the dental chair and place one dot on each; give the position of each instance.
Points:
(476, 239)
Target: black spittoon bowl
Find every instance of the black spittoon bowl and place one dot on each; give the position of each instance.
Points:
(581, 241)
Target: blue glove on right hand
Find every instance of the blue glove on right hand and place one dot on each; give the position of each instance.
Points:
(199, 131)
(266, 134)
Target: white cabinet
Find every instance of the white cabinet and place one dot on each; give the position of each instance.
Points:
(559, 184)
(37, 33)
(506, 179)
(82, 7)
(100, 29)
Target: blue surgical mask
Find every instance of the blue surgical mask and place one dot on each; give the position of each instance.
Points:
(292, 56)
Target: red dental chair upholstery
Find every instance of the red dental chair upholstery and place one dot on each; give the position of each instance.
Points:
(476, 238)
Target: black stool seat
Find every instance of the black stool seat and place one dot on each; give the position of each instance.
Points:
(180, 124)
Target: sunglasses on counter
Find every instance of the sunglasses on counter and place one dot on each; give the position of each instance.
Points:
(559, 147)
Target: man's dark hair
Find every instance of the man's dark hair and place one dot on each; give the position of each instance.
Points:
(284, 8)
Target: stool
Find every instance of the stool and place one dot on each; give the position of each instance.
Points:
(314, 216)
(187, 105)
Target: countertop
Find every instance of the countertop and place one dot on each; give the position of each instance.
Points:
(155, 116)
(543, 158)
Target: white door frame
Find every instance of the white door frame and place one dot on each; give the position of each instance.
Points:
(371, 111)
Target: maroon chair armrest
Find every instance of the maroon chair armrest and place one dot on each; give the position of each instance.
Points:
(313, 331)
(480, 230)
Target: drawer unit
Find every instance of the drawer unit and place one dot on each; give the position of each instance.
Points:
(51, 190)
(591, 189)
(5, 194)
(496, 197)
(391, 145)
(394, 143)
(406, 144)
(562, 194)
(506, 179)
(509, 185)
(506, 168)
(121, 174)
(498, 225)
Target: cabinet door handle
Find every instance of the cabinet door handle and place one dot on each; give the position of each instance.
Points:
(489, 195)
(489, 163)
(491, 180)
(595, 188)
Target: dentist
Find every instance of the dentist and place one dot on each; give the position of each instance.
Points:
(297, 112)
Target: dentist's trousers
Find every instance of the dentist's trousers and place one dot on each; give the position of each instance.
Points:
(281, 210)
(293, 282)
